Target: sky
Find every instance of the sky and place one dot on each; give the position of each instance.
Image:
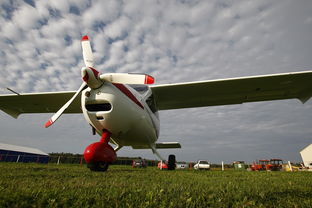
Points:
(174, 41)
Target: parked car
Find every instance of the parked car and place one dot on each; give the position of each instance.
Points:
(239, 165)
(162, 165)
(182, 166)
(139, 163)
(202, 165)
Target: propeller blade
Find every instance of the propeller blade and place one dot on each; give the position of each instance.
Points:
(87, 51)
(64, 107)
(124, 78)
(94, 79)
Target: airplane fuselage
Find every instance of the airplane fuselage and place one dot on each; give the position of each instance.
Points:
(127, 112)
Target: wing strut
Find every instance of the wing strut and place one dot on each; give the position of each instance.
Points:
(156, 153)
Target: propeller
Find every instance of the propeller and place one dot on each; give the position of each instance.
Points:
(94, 79)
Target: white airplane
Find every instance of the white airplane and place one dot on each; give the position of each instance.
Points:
(123, 109)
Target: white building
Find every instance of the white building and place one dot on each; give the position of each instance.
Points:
(306, 155)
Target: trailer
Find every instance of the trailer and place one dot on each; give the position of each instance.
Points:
(306, 155)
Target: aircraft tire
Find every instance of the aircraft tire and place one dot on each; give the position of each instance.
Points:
(171, 162)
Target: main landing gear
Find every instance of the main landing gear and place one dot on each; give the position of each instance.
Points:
(171, 162)
(100, 154)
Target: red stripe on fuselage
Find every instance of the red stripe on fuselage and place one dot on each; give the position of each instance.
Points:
(127, 92)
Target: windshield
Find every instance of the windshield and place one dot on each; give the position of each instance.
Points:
(263, 162)
(142, 89)
(139, 88)
(203, 162)
(276, 162)
(151, 103)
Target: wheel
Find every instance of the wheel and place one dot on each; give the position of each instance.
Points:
(171, 162)
(98, 166)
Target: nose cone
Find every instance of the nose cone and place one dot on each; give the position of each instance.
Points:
(84, 75)
(91, 76)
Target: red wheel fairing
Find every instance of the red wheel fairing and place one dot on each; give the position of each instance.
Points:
(99, 152)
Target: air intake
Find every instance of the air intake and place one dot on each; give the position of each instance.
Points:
(99, 107)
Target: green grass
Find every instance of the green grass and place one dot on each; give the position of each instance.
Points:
(35, 185)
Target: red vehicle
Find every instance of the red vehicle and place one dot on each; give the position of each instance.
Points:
(275, 165)
(162, 165)
(271, 165)
(261, 165)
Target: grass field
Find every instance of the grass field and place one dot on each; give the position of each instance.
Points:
(35, 185)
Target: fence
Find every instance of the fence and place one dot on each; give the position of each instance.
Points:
(78, 159)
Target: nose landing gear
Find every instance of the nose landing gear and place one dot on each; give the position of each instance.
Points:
(100, 154)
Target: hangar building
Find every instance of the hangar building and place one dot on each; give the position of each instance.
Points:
(14, 153)
(306, 155)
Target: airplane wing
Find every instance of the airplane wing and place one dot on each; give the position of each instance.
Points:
(234, 91)
(48, 102)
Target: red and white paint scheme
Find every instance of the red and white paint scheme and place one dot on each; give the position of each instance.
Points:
(123, 108)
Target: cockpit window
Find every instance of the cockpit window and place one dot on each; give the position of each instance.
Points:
(140, 88)
(151, 103)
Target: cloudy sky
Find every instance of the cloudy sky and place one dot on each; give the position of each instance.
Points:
(174, 41)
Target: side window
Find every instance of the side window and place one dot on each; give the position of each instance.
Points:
(151, 103)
